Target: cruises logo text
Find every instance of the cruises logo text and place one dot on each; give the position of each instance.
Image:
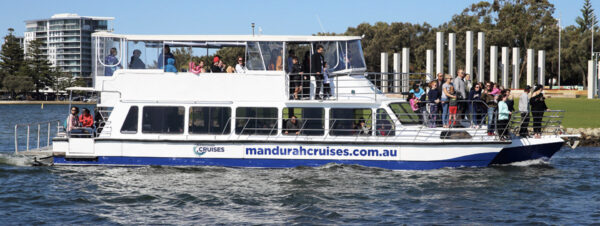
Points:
(200, 150)
(334, 152)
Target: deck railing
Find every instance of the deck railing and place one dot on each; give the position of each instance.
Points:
(37, 128)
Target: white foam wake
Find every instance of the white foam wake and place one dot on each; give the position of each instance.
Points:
(15, 160)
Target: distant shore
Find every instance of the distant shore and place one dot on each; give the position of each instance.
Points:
(22, 102)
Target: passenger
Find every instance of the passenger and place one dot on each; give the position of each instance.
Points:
(222, 65)
(524, 110)
(86, 119)
(433, 97)
(197, 69)
(215, 68)
(296, 77)
(73, 120)
(474, 106)
(171, 66)
(136, 62)
(292, 126)
(112, 62)
(490, 100)
(496, 91)
(230, 69)
(509, 101)
(440, 82)
(276, 60)
(414, 105)
(240, 67)
(362, 127)
(326, 82)
(460, 87)
(538, 106)
(290, 64)
(416, 89)
(316, 68)
(503, 117)
(453, 107)
(306, 77)
(163, 58)
(446, 95)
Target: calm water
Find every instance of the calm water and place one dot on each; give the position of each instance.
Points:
(565, 190)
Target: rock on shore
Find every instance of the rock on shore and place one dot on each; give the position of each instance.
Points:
(589, 136)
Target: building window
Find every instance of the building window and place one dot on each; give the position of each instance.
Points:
(350, 121)
(309, 121)
(131, 121)
(250, 120)
(210, 120)
(163, 120)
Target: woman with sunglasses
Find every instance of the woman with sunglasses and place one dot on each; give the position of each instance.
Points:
(73, 119)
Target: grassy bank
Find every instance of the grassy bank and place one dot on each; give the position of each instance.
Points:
(580, 112)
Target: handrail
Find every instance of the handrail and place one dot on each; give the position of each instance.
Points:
(38, 125)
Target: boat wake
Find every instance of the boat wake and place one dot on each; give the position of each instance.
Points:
(15, 160)
(534, 162)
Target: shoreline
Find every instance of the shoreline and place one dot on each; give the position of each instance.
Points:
(39, 102)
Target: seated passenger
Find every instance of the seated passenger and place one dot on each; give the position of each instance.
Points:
(197, 69)
(276, 61)
(163, 58)
(86, 119)
(362, 127)
(215, 68)
(72, 121)
(171, 66)
(112, 63)
(240, 67)
(230, 69)
(136, 62)
(292, 126)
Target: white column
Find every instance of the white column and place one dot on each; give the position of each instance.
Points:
(530, 66)
(504, 67)
(469, 55)
(480, 56)
(494, 64)
(439, 52)
(429, 66)
(591, 79)
(541, 67)
(452, 54)
(516, 68)
(396, 65)
(405, 69)
(384, 70)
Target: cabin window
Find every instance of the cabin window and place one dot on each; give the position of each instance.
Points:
(272, 53)
(210, 120)
(250, 120)
(163, 120)
(350, 121)
(385, 125)
(404, 113)
(355, 55)
(108, 56)
(310, 121)
(144, 54)
(254, 59)
(131, 121)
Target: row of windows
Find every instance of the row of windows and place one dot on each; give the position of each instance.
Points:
(258, 120)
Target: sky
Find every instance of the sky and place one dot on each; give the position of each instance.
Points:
(281, 17)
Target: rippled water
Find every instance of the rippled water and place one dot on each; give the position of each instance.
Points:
(565, 190)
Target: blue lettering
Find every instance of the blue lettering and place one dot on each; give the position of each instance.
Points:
(260, 151)
(346, 152)
(250, 151)
(339, 152)
(394, 153)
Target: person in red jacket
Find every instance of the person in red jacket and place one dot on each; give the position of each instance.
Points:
(86, 119)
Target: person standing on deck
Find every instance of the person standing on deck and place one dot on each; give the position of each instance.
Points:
(503, 117)
(164, 56)
(316, 68)
(112, 62)
(461, 91)
(524, 109)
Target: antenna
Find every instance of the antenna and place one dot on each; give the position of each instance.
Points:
(320, 24)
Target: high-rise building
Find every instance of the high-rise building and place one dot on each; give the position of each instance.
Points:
(67, 41)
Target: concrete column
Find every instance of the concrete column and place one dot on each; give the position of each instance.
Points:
(384, 70)
(480, 56)
(541, 67)
(439, 52)
(504, 67)
(405, 69)
(494, 64)
(396, 65)
(429, 66)
(452, 54)
(530, 66)
(469, 56)
(516, 68)
(591, 79)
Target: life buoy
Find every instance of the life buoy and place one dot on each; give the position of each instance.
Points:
(195, 69)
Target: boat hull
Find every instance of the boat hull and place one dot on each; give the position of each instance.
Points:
(528, 149)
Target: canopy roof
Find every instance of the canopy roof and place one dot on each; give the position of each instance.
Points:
(227, 38)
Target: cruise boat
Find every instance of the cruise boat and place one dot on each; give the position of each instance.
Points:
(148, 114)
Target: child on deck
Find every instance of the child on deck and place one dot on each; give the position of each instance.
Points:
(453, 108)
(414, 105)
(326, 82)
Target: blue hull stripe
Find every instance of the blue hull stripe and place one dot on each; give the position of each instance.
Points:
(529, 152)
(476, 160)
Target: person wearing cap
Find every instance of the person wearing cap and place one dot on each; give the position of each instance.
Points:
(524, 110)
(215, 68)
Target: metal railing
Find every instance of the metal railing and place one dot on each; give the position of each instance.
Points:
(38, 127)
(311, 86)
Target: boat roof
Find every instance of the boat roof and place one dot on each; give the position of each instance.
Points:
(190, 38)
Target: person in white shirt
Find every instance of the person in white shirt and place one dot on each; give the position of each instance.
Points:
(240, 67)
(524, 110)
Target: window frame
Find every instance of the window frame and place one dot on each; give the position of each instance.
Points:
(183, 119)
(225, 131)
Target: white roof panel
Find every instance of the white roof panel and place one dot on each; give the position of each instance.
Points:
(189, 38)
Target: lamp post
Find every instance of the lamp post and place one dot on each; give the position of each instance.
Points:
(252, 29)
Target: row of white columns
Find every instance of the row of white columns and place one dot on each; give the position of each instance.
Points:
(400, 82)
(593, 79)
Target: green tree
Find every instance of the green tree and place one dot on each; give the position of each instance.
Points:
(11, 57)
(40, 67)
(20, 81)
(587, 18)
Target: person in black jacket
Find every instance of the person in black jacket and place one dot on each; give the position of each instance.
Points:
(296, 77)
(474, 102)
(538, 106)
(316, 68)
(305, 91)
